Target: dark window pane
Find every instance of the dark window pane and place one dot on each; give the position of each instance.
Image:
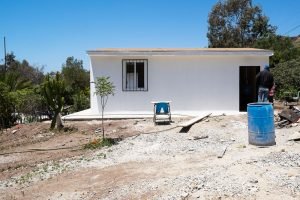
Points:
(129, 67)
(140, 74)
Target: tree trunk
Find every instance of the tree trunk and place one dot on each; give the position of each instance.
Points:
(102, 125)
(59, 122)
(53, 122)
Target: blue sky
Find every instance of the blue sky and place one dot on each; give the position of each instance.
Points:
(46, 32)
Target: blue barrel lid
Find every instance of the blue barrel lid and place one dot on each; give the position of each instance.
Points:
(259, 104)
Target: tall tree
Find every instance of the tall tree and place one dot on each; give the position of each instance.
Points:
(10, 60)
(236, 23)
(18, 81)
(77, 81)
(32, 73)
(6, 107)
(283, 47)
(23, 71)
(286, 76)
(53, 90)
(76, 77)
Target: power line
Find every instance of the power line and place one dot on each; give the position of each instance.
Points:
(298, 26)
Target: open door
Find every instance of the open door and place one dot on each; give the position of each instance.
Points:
(248, 90)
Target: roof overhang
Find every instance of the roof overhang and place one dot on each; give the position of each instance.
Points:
(179, 52)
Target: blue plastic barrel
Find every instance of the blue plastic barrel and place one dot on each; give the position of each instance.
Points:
(261, 130)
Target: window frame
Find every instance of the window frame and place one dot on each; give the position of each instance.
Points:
(135, 89)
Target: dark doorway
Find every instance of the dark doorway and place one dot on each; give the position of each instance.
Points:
(248, 92)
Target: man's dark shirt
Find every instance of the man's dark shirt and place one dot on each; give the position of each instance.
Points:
(264, 79)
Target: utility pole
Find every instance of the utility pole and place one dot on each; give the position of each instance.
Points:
(4, 55)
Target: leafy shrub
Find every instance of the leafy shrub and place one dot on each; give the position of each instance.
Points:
(81, 101)
(27, 102)
(98, 143)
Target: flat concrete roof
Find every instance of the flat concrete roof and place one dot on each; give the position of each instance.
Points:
(178, 51)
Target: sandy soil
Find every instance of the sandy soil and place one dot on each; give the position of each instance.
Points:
(150, 162)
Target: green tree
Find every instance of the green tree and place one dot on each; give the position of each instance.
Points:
(32, 73)
(14, 81)
(11, 62)
(19, 79)
(53, 89)
(6, 107)
(283, 47)
(20, 75)
(236, 23)
(76, 77)
(104, 88)
(286, 76)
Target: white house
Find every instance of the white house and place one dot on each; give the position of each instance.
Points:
(194, 79)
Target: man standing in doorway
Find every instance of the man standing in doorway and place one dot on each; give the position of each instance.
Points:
(264, 81)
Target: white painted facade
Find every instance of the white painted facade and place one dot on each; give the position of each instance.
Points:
(193, 79)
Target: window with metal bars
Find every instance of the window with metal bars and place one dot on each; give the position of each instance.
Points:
(135, 74)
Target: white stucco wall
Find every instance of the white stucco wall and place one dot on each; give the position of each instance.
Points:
(192, 83)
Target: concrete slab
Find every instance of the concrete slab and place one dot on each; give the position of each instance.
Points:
(88, 115)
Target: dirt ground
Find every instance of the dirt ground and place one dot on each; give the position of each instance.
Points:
(150, 162)
(24, 146)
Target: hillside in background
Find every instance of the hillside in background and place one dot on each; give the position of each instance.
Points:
(296, 41)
